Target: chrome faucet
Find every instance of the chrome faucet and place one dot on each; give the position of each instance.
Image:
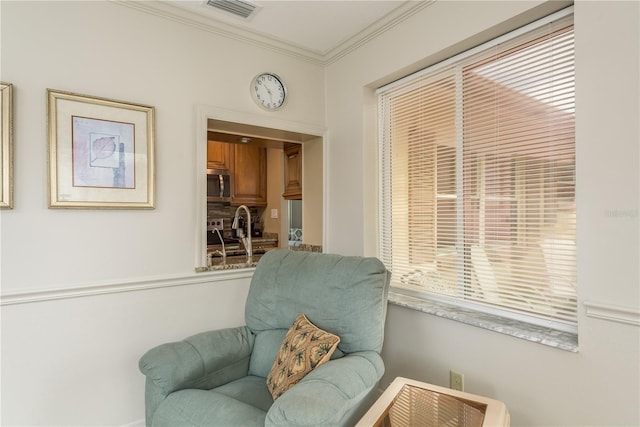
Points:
(217, 252)
(246, 240)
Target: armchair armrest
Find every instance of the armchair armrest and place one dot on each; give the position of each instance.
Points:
(330, 394)
(203, 361)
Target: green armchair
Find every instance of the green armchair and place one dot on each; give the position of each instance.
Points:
(218, 378)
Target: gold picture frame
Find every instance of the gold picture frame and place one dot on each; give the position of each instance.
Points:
(101, 153)
(6, 145)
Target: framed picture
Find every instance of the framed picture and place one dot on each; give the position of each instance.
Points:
(101, 153)
(6, 146)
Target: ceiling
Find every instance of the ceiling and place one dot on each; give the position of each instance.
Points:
(319, 30)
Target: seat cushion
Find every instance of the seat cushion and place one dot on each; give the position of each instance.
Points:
(251, 390)
(243, 402)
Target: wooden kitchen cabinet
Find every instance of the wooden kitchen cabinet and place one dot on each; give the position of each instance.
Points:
(218, 155)
(249, 171)
(292, 172)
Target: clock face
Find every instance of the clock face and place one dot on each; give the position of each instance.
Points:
(268, 91)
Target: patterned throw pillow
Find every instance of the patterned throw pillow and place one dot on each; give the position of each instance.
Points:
(303, 348)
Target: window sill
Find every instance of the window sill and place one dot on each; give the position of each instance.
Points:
(562, 340)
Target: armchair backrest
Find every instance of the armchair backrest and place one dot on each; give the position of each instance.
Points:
(346, 295)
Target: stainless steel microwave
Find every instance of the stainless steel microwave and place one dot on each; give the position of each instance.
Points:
(218, 185)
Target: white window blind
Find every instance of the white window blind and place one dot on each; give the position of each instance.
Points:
(477, 158)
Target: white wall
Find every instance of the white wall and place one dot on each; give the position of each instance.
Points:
(104, 49)
(74, 361)
(71, 359)
(599, 385)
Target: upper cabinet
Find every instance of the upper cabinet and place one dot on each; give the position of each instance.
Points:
(218, 155)
(249, 171)
(292, 172)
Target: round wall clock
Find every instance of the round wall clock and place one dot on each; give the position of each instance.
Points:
(268, 91)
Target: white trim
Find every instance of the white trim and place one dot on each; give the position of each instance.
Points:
(29, 296)
(629, 316)
(261, 120)
(166, 10)
(376, 29)
(206, 112)
(192, 19)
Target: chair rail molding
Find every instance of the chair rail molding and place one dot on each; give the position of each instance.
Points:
(626, 315)
(37, 295)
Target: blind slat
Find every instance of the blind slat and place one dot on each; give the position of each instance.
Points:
(478, 178)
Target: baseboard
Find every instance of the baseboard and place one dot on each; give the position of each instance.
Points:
(139, 423)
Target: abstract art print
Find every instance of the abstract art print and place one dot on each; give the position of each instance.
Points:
(100, 153)
(103, 153)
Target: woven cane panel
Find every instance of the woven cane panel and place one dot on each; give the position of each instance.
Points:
(419, 407)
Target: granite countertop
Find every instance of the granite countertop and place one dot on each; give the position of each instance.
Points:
(237, 258)
(271, 240)
(221, 267)
(235, 261)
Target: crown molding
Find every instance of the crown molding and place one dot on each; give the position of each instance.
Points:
(387, 22)
(184, 16)
(168, 11)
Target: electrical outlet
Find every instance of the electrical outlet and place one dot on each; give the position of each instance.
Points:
(274, 213)
(456, 380)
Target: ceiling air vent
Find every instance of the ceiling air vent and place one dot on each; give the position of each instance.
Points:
(236, 7)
